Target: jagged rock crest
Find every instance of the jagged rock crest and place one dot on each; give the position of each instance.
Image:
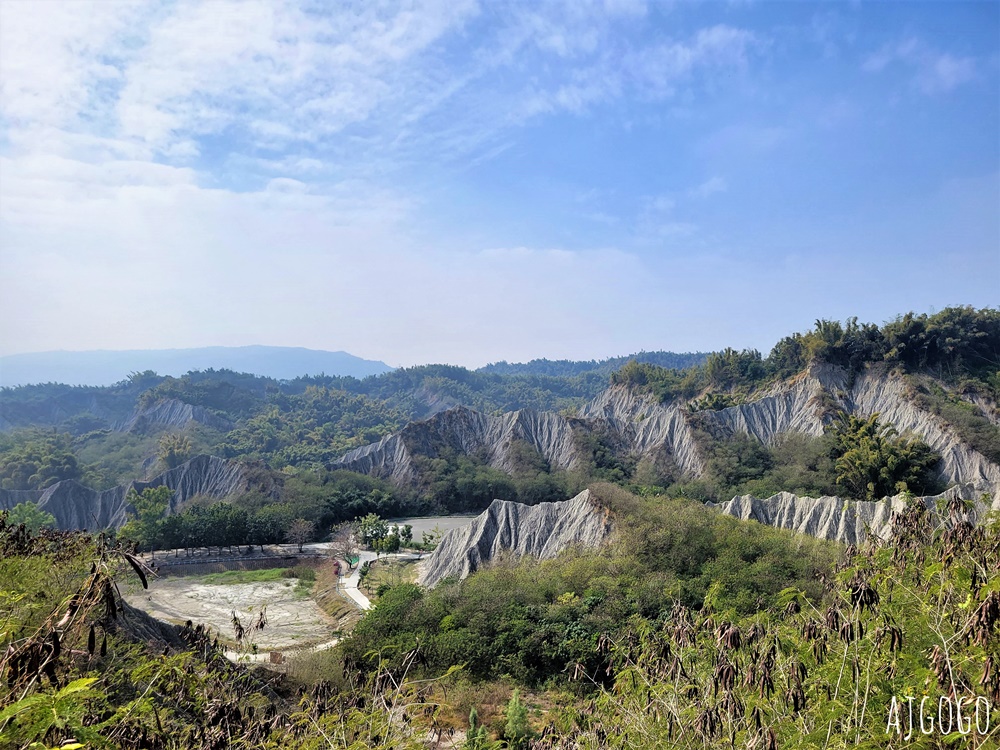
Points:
(841, 520)
(541, 531)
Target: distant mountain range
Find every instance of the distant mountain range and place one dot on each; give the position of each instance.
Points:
(104, 367)
(108, 367)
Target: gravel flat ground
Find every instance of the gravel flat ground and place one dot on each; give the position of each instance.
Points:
(292, 622)
(427, 523)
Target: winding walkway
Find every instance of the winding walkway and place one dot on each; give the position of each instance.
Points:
(349, 584)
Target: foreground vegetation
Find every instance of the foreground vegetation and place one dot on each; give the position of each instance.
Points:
(533, 621)
(692, 630)
(911, 619)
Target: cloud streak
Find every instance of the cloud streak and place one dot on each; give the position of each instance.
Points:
(933, 72)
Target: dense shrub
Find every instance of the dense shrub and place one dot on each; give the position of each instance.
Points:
(530, 620)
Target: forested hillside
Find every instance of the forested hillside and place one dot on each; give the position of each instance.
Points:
(959, 346)
(565, 367)
(113, 434)
(858, 410)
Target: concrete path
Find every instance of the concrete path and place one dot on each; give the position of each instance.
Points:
(349, 584)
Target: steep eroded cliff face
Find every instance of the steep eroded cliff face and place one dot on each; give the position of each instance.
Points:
(171, 413)
(469, 432)
(541, 531)
(641, 426)
(886, 395)
(648, 426)
(845, 521)
(800, 404)
(803, 404)
(77, 507)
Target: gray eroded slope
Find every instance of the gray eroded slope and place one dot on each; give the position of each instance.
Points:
(647, 425)
(837, 519)
(801, 404)
(541, 531)
(171, 413)
(641, 426)
(793, 405)
(466, 431)
(77, 507)
(887, 396)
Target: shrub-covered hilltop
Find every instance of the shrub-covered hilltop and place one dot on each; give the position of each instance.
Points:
(959, 345)
(691, 630)
(946, 365)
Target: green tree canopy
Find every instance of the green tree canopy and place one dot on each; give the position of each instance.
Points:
(147, 510)
(174, 449)
(35, 460)
(873, 461)
(33, 517)
(372, 529)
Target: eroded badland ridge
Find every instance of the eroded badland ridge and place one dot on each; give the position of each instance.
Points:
(804, 404)
(445, 439)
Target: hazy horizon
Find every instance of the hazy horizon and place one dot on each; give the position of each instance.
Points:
(103, 367)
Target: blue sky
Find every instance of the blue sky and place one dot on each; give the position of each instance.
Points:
(467, 182)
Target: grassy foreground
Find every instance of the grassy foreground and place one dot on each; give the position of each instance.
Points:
(648, 644)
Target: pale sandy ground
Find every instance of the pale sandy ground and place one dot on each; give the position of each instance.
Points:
(292, 622)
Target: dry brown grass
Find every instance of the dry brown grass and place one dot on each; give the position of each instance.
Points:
(332, 602)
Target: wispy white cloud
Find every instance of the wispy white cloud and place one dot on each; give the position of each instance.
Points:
(165, 75)
(653, 72)
(934, 72)
(272, 75)
(657, 221)
(659, 204)
(709, 187)
(741, 140)
(58, 62)
(281, 72)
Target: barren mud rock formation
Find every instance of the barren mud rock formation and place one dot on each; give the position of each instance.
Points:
(640, 426)
(77, 507)
(886, 395)
(648, 426)
(541, 531)
(171, 413)
(840, 520)
(470, 432)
